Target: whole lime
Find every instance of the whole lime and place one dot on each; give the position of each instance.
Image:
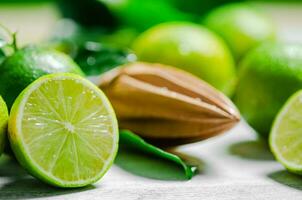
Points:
(268, 75)
(28, 64)
(242, 26)
(190, 47)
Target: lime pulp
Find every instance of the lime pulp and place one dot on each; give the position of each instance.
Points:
(286, 135)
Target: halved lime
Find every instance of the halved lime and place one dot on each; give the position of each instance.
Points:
(286, 135)
(63, 130)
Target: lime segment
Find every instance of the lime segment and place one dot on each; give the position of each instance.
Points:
(286, 134)
(64, 130)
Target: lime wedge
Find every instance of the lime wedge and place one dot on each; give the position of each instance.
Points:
(63, 130)
(286, 135)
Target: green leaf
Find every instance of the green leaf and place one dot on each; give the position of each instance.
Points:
(94, 50)
(95, 58)
(143, 159)
(68, 36)
(89, 13)
(144, 14)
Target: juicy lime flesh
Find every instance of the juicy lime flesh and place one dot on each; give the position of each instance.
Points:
(286, 136)
(67, 130)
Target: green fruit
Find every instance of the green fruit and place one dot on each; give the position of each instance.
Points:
(28, 64)
(268, 75)
(286, 136)
(3, 123)
(143, 14)
(199, 7)
(190, 47)
(242, 26)
(63, 130)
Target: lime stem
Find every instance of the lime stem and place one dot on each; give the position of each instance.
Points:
(14, 42)
(13, 37)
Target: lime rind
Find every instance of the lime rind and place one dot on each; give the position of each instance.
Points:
(20, 148)
(3, 123)
(274, 134)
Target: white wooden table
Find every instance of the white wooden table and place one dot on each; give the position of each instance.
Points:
(232, 166)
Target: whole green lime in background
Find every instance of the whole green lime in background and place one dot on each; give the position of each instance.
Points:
(190, 47)
(268, 75)
(144, 14)
(28, 64)
(3, 124)
(241, 25)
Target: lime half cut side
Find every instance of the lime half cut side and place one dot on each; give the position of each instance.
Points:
(286, 135)
(63, 130)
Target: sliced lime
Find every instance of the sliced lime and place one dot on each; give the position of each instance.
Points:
(63, 130)
(286, 135)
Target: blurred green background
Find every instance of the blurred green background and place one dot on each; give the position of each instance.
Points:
(103, 34)
(40, 16)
